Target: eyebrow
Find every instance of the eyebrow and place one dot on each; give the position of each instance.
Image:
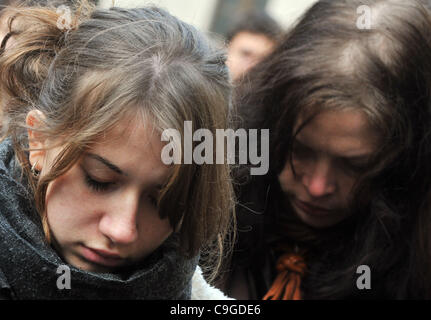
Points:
(360, 157)
(113, 167)
(107, 163)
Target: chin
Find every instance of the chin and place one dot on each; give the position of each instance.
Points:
(319, 222)
(86, 266)
(94, 268)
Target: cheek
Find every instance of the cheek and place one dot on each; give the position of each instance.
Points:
(346, 185)
(153, 232)
(68, 207)
(286, 178)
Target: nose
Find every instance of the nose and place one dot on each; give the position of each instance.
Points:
(319, 179)
(119, 223)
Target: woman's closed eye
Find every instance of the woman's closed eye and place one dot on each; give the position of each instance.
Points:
(300, 151)
(354, 166)
(97, 185)
(153, 200)
(106, 186)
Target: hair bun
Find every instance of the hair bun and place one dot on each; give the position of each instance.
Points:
(37, 35)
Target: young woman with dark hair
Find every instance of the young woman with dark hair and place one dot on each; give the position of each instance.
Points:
(347, 100)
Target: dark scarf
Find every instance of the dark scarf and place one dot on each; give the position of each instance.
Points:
(28, 266)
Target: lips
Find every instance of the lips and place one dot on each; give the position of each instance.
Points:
(102, 257)
(312, 209)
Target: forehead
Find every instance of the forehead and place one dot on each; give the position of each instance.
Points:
(340, 133)
(134, 130)
(134, 146)
(252, 41)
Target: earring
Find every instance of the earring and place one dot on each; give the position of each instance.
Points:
(33, 170)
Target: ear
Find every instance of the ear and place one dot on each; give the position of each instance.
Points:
(36, 140)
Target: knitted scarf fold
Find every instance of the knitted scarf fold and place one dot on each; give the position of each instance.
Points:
(31, 269)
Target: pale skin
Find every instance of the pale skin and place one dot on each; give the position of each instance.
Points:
(4, 29)
(245, 50)
(329, 155)
(103, 212)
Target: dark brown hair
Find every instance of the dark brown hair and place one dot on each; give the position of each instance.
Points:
(258, 22)
(328, 62)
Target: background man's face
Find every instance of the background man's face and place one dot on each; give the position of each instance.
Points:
(245, 50)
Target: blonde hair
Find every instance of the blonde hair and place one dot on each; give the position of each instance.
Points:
(113, 63)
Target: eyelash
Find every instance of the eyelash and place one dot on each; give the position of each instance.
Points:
(356, 168)
(97, 185)
(104, 186)
(153, 201)
(302, 152)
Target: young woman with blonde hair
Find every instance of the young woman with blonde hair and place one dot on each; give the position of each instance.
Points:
(82, 183)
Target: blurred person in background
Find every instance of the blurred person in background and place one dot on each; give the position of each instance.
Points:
(253, 38)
